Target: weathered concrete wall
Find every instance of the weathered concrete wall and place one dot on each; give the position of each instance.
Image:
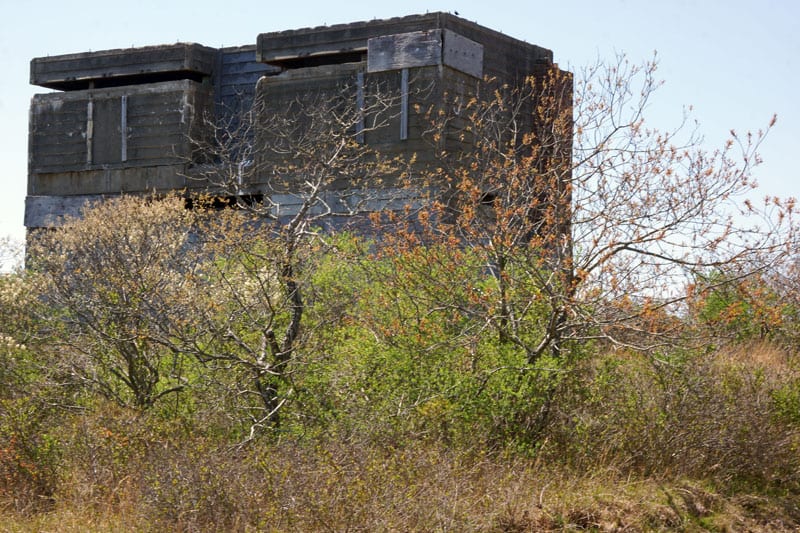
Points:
(504, 56)
(126, 119)
(130, 126)
(125, 66)
(236, 76)
(123, 124)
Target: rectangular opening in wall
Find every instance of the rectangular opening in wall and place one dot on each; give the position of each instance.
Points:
(338, 58)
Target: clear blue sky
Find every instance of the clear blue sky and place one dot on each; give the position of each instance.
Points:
(737, 62)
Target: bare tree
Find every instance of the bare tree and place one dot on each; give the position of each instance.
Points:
(301, 160)
(289, 172)
(590, 222)
(11, 254)
(653, 209)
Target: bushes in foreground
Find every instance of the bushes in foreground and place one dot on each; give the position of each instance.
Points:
(417, 390)
(634, 442)
(119, 472)
(719, 415)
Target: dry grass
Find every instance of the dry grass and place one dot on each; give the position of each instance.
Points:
(700, 416)
(607, 465)
(353, 487)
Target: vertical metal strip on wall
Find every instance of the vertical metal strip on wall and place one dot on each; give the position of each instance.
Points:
(89, 130)
(360, 104)
(123, 128)
(404, 104)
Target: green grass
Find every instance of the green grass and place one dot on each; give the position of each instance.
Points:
(685, 442)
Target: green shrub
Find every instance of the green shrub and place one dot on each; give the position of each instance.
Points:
(29, 454)
(683, 414)
(407, 359)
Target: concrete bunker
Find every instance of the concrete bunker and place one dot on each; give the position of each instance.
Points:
(121, 121)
